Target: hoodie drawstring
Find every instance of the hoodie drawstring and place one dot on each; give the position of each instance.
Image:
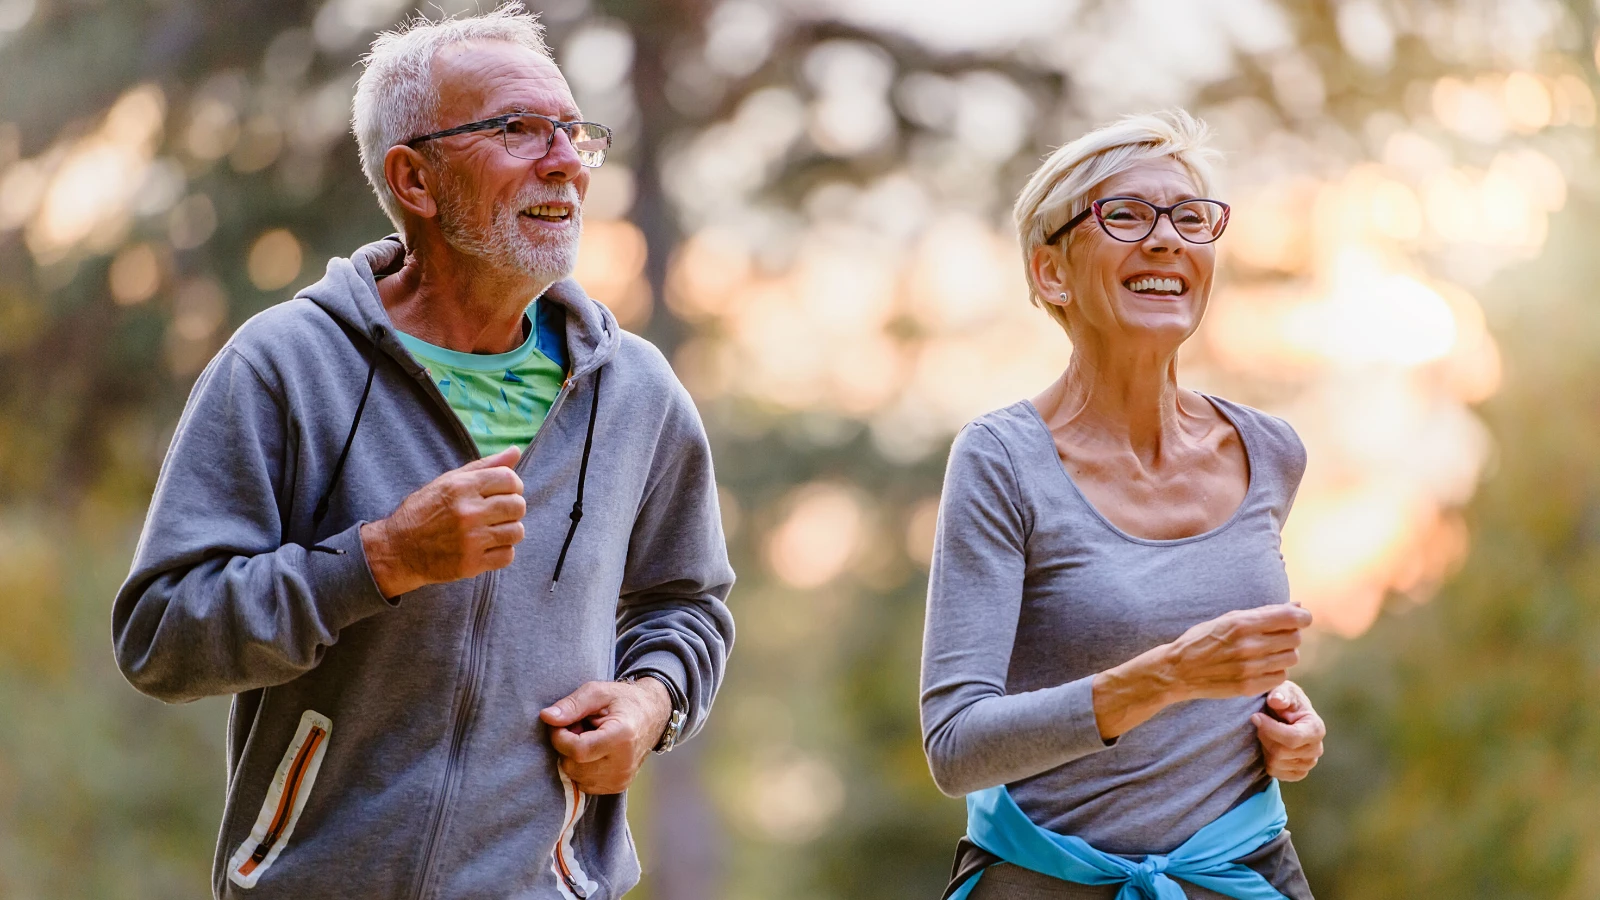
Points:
(321, 511)
(583, 475)
(576, 515)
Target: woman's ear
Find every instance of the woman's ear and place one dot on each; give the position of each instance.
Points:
(411, 181)
(1048, 267)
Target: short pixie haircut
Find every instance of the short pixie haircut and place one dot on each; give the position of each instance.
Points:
(1061, 187)
(396, 99)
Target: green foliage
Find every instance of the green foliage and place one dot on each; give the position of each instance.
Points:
(1464, 740)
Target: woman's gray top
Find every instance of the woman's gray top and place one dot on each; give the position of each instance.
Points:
(1033, 592)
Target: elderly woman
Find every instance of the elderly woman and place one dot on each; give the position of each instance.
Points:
(1108, 608)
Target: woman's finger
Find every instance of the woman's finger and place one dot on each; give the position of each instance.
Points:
(1288, 698)
(1281, 661)
(1258, 684)
(1283, 734)
(1267, 644)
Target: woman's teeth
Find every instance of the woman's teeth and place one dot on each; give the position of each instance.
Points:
(1154, 285)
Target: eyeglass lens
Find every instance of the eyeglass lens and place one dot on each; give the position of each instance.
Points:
(1197, 221)
(530, 137)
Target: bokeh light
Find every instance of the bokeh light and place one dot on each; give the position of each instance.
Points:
(275, 260)
(807, 210)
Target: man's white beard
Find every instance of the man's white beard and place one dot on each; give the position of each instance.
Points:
(502, 245)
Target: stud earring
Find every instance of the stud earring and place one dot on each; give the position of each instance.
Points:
(1063, 296)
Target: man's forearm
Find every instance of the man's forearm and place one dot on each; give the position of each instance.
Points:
(179, 638)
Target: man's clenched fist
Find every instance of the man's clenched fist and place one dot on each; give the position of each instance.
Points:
(466, 521)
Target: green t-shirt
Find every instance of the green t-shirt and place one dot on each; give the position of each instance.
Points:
(502, 398)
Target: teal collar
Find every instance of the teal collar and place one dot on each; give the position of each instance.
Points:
(476, 362)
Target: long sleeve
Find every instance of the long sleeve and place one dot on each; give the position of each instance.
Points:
(673, 615)
(216, 602)
(976, 735)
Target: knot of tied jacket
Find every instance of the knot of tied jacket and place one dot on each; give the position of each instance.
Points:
(1149, 879)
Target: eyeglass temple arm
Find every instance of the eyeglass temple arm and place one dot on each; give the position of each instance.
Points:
(1071, 224)
(496, 122)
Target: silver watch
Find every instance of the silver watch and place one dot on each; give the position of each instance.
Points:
(669, 738)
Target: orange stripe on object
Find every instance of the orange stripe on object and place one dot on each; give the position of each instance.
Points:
(572, 820)
(291, 790)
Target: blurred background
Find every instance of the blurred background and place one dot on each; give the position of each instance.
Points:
(808, 211)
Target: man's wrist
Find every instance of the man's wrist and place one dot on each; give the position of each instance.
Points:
(670, 711)
(386, 568)
(661, 702)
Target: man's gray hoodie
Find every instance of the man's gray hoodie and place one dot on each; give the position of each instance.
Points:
(393, 748)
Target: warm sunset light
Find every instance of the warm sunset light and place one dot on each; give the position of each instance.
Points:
(805, 206)
(914, 330)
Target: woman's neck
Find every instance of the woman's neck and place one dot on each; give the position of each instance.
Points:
(1127, 400)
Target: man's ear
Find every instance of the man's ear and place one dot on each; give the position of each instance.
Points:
(1048, 268)
(411, 179)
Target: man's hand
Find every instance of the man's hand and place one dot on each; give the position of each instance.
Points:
(1291, 733)
(465, 522)
(604, 729)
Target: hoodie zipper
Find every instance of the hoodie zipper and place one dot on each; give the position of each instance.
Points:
(479, 614)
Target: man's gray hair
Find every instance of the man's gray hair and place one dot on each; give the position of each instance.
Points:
(396, 99)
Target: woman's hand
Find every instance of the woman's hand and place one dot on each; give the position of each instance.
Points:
(1237, 654)
(1291, 733)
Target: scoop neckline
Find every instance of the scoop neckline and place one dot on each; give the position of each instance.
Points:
(1238, 512)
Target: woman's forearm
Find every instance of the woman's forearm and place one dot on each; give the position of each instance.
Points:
(980, 742)
(1238, 654)
(1131, 694)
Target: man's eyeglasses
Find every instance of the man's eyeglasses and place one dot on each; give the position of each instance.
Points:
(530, 136)
(1130, 220)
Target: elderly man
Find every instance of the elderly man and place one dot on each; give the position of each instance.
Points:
(448, 536)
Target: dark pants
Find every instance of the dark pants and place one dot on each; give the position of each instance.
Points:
(1275, 860)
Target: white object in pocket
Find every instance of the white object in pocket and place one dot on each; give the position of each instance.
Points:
(286, 797)
(570, 877)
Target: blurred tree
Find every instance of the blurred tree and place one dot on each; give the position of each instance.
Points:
(1461, 729)
(1463, 748)
(1443, 767)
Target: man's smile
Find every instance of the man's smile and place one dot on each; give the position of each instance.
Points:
(549, 212)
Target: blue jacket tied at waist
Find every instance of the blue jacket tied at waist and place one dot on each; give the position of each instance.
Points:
(996, 824)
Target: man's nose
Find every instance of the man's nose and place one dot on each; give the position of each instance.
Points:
(561, 162)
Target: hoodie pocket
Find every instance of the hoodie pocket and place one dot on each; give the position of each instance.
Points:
(570, 877)
(286, 797)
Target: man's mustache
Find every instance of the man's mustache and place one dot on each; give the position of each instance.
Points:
(535, 197)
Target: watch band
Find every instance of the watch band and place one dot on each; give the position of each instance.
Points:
(680, 707)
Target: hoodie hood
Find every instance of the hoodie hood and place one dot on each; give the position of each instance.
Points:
(349, 293)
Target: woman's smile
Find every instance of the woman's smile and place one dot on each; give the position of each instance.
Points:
(1157, 284)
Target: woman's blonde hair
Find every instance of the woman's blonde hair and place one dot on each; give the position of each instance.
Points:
(1059, 189)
